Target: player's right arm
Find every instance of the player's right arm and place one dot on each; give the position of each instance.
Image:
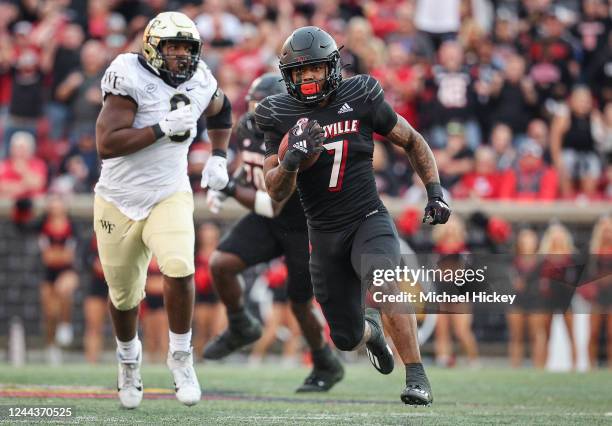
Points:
(115, 135)
(281, 176)
(280, 182)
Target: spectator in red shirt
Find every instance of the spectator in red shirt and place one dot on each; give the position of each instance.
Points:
(383, 17)
(22, 174)
(401, 82)
(483, 182)
(249, 58)
(531, 179)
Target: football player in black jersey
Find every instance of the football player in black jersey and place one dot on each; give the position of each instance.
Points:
(346, 218)
(271, 230)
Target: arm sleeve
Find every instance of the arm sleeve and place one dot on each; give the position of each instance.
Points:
(118, 80)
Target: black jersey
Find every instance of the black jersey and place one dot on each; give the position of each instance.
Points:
(250, 143)
(339, 189)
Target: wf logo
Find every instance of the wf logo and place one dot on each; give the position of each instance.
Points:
(113, 79)
(107, 226)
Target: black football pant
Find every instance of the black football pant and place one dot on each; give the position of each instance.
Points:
(341, 265)
(256, 239)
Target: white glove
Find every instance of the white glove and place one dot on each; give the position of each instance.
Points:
(214, 175)
(178, 121)
(215, 200)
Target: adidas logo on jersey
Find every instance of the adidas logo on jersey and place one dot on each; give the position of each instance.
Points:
(345, 108)
(301, 145)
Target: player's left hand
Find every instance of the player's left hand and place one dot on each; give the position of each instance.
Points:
(214, 175)
(215, 200)
(436, 211)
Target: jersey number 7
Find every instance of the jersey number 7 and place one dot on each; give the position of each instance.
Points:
(339, 150)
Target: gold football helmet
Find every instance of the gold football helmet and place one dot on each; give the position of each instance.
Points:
(171, 26)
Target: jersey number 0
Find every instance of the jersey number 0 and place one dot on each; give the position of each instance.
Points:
(178, 101)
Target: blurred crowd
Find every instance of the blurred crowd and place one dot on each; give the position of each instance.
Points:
(514, 96)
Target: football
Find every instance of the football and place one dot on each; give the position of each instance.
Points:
(305, 164)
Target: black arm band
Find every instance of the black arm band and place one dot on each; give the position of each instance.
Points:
(158, 131)
(222, 119)
(434, 190)
(230, 188)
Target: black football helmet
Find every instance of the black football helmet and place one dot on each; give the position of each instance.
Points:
(266, 85)
(306, 46)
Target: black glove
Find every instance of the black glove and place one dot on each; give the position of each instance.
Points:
(304, 142)
(436, 211)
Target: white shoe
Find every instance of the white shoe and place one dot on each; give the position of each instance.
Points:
(129, 383)
(186, 383)
(64, 334)
(53, 355)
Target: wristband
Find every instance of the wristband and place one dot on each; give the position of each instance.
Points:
(219, 153)
(434, 190)
(158, 131)
(230, 188)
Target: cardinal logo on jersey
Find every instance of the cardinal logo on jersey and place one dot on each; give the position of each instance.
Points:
(299, 126)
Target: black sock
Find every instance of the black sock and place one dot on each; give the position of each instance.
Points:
(238, 319)
(322, 358)
(375, 331)
(415, 374)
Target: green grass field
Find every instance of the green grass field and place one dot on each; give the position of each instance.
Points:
(234, 394)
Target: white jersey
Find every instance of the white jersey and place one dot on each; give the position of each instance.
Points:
(136, 182)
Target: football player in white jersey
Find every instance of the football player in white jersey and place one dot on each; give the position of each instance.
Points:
(143, 203)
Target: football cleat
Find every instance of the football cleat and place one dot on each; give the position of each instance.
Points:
(379, 352)
(232, 340)
(186, 383)
(322, 380)
(417, 394)
(129, 383)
